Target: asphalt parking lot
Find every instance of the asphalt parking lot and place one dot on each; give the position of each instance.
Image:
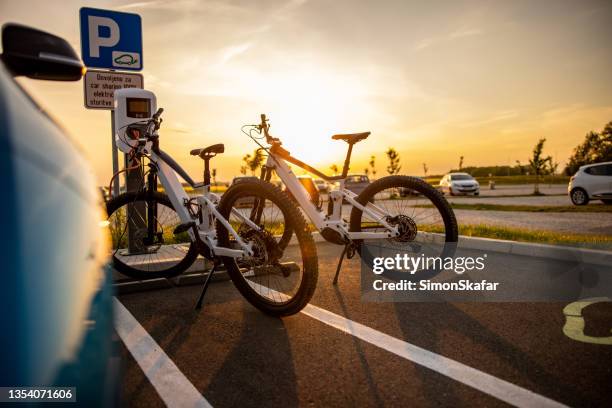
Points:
(344, 352)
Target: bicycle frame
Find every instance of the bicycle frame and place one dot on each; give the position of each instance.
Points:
(319, 218)
(207, 201)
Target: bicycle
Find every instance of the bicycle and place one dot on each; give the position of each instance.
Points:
(159, 234)
(403, 212)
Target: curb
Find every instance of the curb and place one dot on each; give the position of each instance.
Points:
(562, 253)
(582, 255)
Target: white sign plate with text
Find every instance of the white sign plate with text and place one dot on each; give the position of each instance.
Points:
(99, 87)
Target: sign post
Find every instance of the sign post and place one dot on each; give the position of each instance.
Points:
(110, 40)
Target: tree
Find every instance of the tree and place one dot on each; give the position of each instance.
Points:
(596, 147)
(460, 163)
(520, 167)
(539, 164)
(252, 162)
(246, 160)
(366, 171)
(372, 164)
(552, 168)
(394, 161)
(256, 161)
(334, 168)
(214, 175)
(425, 169)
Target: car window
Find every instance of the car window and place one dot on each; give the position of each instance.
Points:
(601, 170)
(461, 177)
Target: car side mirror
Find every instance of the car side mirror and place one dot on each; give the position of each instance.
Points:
(36, 54)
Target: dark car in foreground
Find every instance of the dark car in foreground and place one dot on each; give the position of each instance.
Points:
(56, 310)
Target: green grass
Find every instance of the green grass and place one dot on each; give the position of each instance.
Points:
(537, 236)
(593, 208)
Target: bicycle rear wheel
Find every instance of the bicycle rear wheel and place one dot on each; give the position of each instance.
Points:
(143, 241)
(278, 279)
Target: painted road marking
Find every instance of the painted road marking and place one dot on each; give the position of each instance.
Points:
(574, 322)
(169, 382)
(496, 387)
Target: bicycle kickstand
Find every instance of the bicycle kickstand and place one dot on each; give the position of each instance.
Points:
(349, 252)
(206, 282)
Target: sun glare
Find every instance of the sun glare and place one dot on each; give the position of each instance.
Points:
(305, 109)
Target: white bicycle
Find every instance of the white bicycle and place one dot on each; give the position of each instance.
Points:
(160, 232)
(391, 212)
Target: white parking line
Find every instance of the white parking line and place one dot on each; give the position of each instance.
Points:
(169, 382)
(496, 387)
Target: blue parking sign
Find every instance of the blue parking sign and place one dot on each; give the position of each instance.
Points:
(110, 39)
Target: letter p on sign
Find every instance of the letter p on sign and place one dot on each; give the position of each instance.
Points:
(95, 40)
(111, 39)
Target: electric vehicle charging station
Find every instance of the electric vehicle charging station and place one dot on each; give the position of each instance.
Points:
(132, 105)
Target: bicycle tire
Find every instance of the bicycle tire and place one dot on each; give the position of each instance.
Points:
(176, 269)
(414, 184)
(307, 248)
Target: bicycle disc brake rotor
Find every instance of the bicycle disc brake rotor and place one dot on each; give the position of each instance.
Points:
(265, 249)
(406, 227)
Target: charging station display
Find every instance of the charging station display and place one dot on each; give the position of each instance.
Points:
(131, 105)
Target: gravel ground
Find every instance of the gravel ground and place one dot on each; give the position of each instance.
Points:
(553, 200)
(521, 189)
(579, 223)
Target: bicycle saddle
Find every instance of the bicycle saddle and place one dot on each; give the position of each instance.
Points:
(208, 151)
(351, 138)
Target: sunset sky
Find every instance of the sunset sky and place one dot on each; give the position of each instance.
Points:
(436, 80)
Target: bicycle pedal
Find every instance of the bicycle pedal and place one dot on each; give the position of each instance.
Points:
(184, 227)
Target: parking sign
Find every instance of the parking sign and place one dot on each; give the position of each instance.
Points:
(110, 39)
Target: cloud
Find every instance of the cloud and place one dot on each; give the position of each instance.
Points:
(457, 34)
(497, 117)
(233, 51)
(465, 32)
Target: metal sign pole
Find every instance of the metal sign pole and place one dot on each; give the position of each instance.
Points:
(115, 156)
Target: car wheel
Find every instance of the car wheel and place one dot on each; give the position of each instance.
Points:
(607, 201)
(579, 196)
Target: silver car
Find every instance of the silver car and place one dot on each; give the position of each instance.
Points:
(591, 182)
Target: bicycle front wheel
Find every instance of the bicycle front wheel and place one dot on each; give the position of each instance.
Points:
(144, 245)
(278, 279)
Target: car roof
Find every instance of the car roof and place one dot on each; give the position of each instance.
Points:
(458, 173)
(594, 164)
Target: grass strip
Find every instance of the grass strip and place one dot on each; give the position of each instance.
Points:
(593, 208)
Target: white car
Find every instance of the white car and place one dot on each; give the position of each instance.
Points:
(591, 182)
(459, 183)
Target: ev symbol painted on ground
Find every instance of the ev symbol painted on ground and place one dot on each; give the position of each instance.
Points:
(110, 39)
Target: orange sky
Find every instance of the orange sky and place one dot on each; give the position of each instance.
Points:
(479, 79)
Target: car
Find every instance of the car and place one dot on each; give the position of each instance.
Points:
(322, 186)
(246, 201)
(56, 297)
(356, 183)
(459, 184)
(591, 182)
